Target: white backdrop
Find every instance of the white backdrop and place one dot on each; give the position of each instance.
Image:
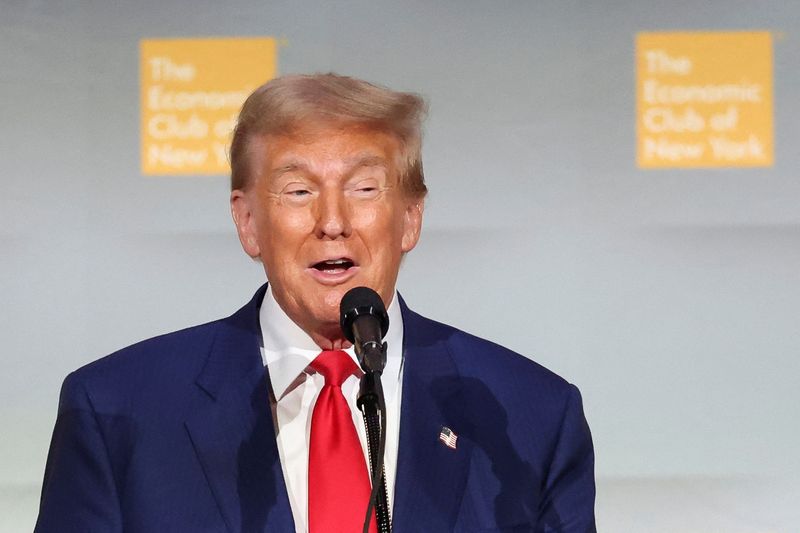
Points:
(671, 298)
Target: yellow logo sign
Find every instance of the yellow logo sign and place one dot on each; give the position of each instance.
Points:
(191, 93)
(704, 99)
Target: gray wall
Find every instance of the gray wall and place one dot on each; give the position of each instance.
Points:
(671, 298)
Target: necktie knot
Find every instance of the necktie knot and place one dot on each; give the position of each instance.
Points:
(335, 366)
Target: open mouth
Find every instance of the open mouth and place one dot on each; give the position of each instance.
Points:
(334, 266)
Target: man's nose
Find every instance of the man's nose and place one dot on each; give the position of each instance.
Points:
(333, 218)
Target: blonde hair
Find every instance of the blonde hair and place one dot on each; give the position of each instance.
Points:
(289, 102)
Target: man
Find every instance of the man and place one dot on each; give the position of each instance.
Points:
(220, 427)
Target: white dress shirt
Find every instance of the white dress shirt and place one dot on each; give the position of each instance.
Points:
(287, 351)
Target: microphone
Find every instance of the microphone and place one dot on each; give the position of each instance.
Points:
(364, 323)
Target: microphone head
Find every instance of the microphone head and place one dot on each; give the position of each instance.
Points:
(360, 301)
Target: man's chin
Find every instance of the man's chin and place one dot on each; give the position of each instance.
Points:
(332, 297)
(325, 312)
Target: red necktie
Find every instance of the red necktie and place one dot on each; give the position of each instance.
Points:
(338, 482)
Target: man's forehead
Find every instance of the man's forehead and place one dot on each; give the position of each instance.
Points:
(347, 147)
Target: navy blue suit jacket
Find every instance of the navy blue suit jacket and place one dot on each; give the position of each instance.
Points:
(175, 434)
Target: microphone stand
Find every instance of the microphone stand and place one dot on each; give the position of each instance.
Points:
(372, 404)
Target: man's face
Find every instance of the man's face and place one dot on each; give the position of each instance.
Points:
(325, 213)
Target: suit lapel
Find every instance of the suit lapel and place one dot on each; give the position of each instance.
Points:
(232, 429)
(431, 477)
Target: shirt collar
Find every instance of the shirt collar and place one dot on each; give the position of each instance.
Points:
(287, 350)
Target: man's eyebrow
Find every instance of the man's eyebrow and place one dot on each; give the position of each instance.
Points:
(366, 161)
(288, 167)
(351, 164)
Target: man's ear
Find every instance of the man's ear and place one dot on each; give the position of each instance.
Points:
(412, 223)
(244, 218)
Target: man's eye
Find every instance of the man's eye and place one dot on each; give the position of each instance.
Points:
(296, 191)
(297, 195)
(365, 191)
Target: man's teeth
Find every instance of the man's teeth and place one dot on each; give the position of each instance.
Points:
(334, 264)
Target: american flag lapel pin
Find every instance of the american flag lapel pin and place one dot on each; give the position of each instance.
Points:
(448, 437)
